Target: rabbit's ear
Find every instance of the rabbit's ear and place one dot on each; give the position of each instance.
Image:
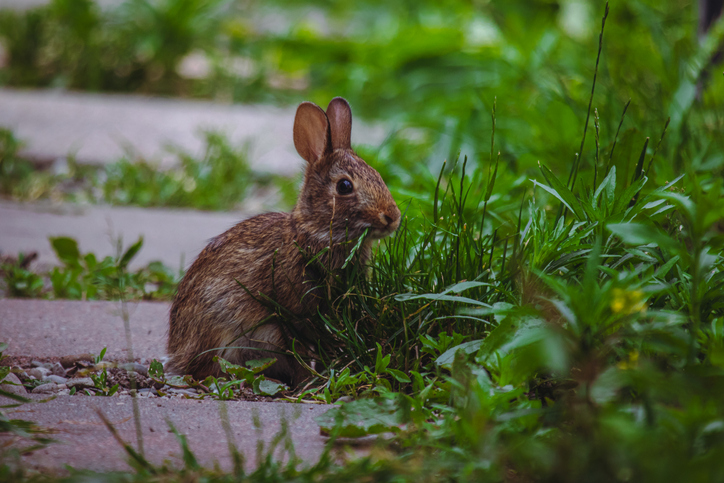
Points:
(311, 132)
(340, 123)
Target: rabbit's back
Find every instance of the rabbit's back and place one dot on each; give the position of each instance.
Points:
(222, 300)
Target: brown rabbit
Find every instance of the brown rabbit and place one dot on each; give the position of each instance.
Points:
(219, 301)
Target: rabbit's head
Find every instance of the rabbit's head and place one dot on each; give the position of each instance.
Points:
(339, 187)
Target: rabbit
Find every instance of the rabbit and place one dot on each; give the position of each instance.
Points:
(219, 303)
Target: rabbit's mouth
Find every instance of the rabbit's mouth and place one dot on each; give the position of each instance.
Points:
(376, 233)
(385, 226)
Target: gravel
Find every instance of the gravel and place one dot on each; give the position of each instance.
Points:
(49, 388)
(77, 370)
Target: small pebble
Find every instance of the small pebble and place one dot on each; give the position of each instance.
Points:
(48, 388)
(56, 379)
(182, 392)
(80, 382)
(39, 373)
(135, 367)
(69, 361)
(147, 392)
(57, 369)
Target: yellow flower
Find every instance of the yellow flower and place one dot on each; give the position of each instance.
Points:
(633, 359)
(627, 301)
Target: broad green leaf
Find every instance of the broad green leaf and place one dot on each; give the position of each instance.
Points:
(399, 375)
(66, 249)
(628, 195)
(512, 333)
(561, 192)
(177, 381)
(235, 370)
(608, 184)
(607, 386)
(265, 387)
(638, 234)
(155, 370)
(664, 269)
(381, 363)
(361, 418)
(446, 358)
(130, 253)
(682, 201)
(258, 365)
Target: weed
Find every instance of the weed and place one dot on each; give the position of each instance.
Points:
(19, 280)
(100, 380)
(83, 276)
(223, 388)
(219, 180)
(249, 376)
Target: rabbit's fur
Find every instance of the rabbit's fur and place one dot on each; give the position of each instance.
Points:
(218, 303)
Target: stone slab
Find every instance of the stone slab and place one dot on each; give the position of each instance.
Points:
(20, 5)
(40, 328)
(84, 442)
(101, 128)
(57, 328)
(174, 237)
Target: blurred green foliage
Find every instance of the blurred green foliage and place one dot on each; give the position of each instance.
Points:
(85, 277)
(424, 65)
(219, 179)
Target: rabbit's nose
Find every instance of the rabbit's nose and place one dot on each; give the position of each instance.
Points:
(389, 222)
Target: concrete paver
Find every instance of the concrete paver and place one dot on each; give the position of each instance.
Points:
(84, 441)
(20, 5)
(97, 128)
(170, 236)
(41, 328)
(57, 328)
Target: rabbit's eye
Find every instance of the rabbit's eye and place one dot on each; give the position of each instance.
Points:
(344, 187)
